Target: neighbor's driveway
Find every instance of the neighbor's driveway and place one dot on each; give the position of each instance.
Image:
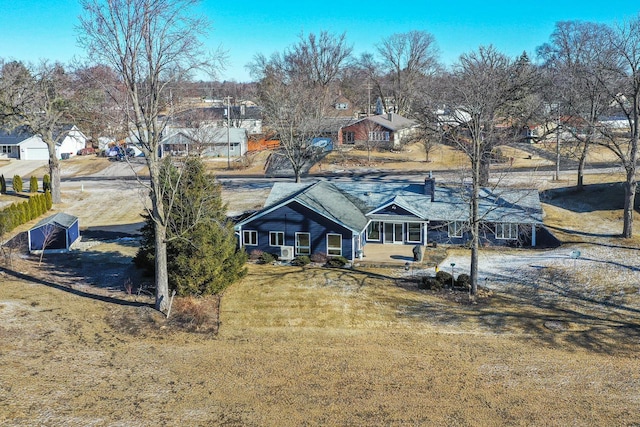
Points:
(24, 168)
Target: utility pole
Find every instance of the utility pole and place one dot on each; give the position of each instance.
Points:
(369, 99)
(558, 147)
(228, 98)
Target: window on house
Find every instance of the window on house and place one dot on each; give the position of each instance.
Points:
(334, 244)
(414, 232)
(348, 137)
(276, 238)
(373, 231)
(379, 136)
(506, 231)
(303, 244)
(455, 229)
(250, 238)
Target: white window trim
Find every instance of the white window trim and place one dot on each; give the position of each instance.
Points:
(278, 234)
(379, 136)
(409, 224)
(334, 248)
(458, 228)
(251, 233)
(379, 231)
(510, 226)
(298, 247)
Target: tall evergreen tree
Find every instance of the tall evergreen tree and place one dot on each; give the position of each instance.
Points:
(202, 254)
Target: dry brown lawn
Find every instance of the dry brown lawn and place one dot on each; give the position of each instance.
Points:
(311, 346)
(410, 158)
(314, 346)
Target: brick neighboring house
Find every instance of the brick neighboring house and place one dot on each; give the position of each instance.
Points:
(390, 130)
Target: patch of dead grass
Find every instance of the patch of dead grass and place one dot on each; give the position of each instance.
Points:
(312, 346)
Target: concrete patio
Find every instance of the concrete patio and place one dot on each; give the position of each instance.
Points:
(390, 255)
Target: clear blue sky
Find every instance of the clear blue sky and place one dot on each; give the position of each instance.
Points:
(37, 29)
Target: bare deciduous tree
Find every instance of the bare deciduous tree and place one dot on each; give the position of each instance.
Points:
(485, 88)
(405, 60)
(294, 89)
(37, 100)
(620, 63)
(151, 44)
(572, 56)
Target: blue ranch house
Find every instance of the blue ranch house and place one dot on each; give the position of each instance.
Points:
(341, 219)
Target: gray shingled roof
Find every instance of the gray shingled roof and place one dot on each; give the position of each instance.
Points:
(349, 202)
(13, 138)
(322, 197)
(61, 219)
(396, 122)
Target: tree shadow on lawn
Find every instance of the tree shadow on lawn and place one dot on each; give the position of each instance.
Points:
(594, 197)
(110, 271)
(546, 310)
(66, 288)
(88, 273)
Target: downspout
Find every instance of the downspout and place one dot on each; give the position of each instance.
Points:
(239, 233)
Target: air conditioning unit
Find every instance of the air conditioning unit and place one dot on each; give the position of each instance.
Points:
(286, 252)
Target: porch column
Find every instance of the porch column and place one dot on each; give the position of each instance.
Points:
(533, 235)
(424, 234)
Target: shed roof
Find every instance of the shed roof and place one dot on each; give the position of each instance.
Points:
(61, 219)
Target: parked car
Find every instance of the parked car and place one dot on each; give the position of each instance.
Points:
(85, 151)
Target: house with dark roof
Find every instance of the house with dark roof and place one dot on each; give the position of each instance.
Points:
(24, 145)
(342, 219)
(56, 233)
(390, 129)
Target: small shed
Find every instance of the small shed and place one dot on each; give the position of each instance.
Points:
(56, 233)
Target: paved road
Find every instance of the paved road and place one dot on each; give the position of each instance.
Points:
(24, 168)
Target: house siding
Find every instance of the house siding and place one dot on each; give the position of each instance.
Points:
(438, 232)
(394, 210)
(295, 218)
(61, 239)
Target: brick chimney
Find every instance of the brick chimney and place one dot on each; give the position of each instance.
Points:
(430, 187)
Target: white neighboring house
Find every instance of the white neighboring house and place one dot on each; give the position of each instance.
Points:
(206, 141)
(27, 146)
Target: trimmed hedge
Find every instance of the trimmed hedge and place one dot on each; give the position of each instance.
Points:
(33, 184)
(444, 278)
(17, 183)
(20, 213)
(337, 261)
(301, 261)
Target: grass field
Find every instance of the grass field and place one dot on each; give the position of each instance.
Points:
(553, 342)
(316, 347)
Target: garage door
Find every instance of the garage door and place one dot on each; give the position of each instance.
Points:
(36, 154)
